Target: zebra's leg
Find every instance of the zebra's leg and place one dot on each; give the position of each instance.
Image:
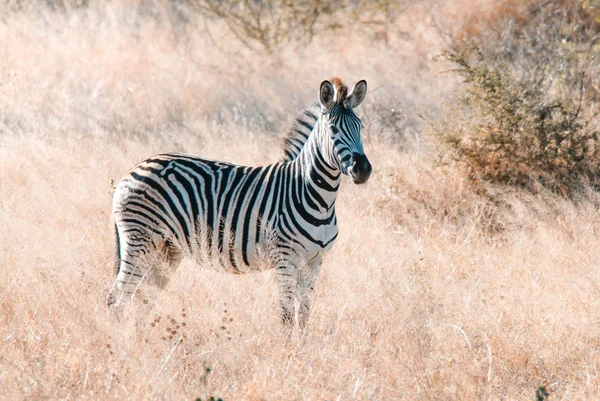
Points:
(156, 269)
(307, 278)
(138, 256)
(131, 272)
(170, 258)
(287, 280)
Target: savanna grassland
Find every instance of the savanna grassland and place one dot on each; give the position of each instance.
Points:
(443, 284)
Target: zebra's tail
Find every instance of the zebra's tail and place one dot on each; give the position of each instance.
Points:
(116, 251)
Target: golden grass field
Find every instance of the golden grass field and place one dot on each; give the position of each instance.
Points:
(429, 293)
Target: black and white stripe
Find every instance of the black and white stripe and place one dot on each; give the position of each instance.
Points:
(243, 218)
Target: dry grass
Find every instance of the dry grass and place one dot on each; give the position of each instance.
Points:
(431, 292)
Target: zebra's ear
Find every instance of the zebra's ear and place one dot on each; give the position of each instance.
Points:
(358, 93)
(326, 94)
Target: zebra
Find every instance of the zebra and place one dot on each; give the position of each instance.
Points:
(279, 216)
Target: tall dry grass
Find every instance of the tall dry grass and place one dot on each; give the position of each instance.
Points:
(431, 291)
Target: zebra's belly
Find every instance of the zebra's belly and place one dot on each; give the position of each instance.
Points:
(255, 256)
(233, 257)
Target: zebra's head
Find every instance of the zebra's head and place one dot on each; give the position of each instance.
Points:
(342, 128)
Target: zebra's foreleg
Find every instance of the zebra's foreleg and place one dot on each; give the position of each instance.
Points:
(307, 278)
(287, 280)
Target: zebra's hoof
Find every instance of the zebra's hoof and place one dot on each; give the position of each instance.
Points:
(111, 301)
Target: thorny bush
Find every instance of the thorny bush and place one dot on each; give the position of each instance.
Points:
(528, 127)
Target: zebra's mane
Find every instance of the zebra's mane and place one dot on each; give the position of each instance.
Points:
(303, 124)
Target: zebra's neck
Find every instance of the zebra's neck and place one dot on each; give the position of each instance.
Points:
(321, 175)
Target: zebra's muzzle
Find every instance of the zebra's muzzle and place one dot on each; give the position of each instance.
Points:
(360, 170)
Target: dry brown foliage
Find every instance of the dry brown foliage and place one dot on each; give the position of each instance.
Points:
(475, 19)
(530, 109)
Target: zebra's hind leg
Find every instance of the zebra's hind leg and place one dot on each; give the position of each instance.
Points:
(149, 258)
(132, 269)
(170, 258)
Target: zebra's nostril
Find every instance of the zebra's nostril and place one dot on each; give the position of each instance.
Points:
(361, 168)
(367, 166)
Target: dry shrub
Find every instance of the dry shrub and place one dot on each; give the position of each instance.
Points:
(528, 115)
(271, 25)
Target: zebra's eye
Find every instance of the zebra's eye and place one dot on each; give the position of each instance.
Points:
(334, 129)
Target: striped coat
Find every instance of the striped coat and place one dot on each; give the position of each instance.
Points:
(239, 218)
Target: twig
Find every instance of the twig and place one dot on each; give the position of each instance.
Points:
(489, 350)
(166, 361)
(464, 335)
(82, 237)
